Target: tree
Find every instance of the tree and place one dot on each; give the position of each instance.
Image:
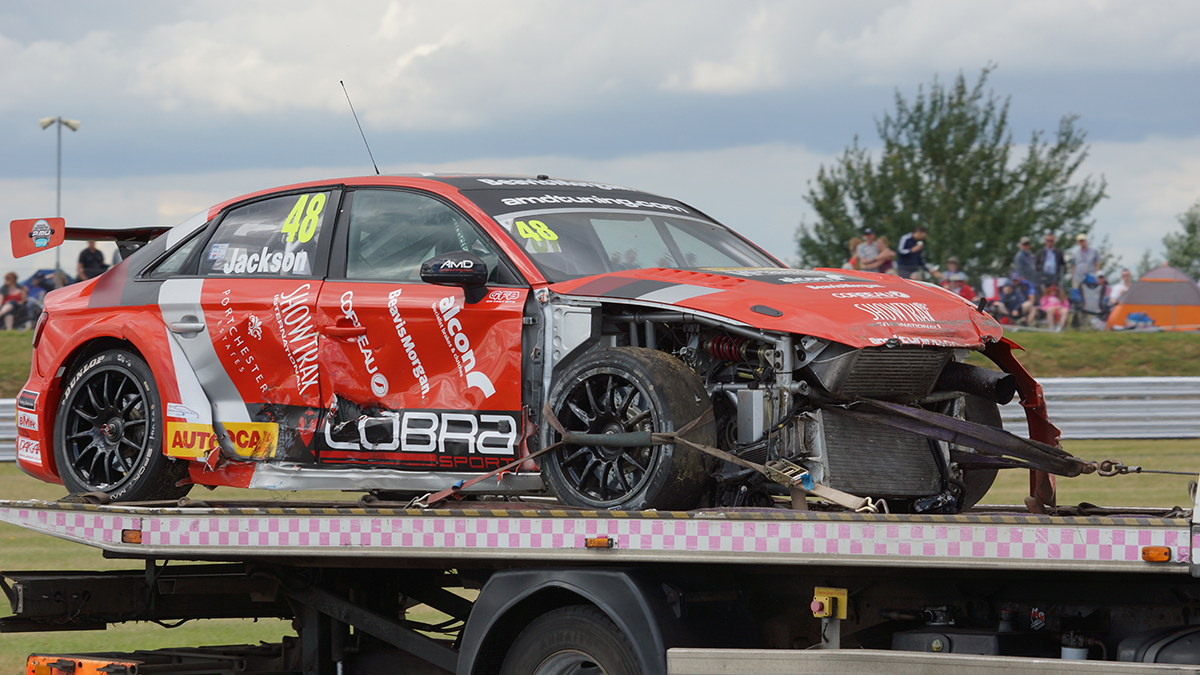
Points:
(1183, 248)
(947, 162)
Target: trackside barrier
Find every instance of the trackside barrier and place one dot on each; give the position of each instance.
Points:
(1117, 407)
(1083, 407)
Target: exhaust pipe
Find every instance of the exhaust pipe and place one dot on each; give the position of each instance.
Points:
(991, 385)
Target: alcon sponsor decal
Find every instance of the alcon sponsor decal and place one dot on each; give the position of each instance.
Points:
(255, 440)
(266, 261)
(379, 383)
(29, 451)
(27, 399)
(871, 295)
(910, 314)
(460, 345)
(27, 420)
(235, 344)
(406, 341)
(298, 335)
(427, 431)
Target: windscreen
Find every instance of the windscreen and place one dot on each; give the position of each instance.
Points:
(568, 244)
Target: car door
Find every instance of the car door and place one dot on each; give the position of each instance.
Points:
(417, 377)
(247, 325)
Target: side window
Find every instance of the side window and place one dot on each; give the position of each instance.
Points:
(272, 237)
(392, 232)
(173, 263)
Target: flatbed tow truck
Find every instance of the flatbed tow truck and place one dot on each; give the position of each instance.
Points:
(729, 591)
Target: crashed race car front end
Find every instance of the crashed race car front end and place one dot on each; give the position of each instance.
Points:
(798, 363)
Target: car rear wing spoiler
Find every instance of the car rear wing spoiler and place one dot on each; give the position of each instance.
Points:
(33, 235)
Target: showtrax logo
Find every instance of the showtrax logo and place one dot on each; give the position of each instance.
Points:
(898, 312)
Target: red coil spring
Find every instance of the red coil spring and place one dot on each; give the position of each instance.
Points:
(726, 348)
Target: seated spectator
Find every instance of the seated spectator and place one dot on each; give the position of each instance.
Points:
(1055, 308)
(1091, 303)
(12, 305)
(1116, 292)
(1013, 304)
(957, 283)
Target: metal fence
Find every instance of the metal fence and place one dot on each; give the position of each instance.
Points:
(1083, 407)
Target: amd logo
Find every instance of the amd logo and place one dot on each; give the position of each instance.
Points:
(458, 264)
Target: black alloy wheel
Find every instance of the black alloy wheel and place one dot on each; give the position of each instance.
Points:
(627, 390)
(108, 432)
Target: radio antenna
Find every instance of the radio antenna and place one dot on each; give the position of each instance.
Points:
(360, 129)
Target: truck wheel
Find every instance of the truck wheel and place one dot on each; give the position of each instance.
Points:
(108, 432)
(979, 481)
(621, 390)
(576, 640)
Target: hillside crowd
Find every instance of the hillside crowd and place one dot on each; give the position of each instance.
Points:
(1047, 287)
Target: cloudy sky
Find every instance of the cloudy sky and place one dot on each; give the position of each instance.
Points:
(731, 106)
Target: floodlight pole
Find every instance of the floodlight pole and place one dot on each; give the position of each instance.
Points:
(72, 125)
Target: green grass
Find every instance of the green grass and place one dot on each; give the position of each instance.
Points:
(15, 355)
(1101, 354)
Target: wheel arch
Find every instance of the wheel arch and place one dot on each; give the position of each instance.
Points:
(135, 339)
(512, 599)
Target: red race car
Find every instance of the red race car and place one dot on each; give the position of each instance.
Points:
(403, 335)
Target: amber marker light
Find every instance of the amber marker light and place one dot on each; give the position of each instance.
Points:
(131, 536)
(1156, 553)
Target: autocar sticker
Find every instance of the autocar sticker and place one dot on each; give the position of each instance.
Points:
(252, 440)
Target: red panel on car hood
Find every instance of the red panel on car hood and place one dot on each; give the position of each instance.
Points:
(860, 309)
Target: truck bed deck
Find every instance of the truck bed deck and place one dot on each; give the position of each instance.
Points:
(538, 533)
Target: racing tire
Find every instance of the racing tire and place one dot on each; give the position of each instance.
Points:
(979, 481)
(619, 390)
(108, 432)
(574, 640)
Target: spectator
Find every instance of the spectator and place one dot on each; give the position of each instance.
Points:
(1105, 289)
(1055, 307)
(91, 262)
(1025, 286)
(958, 284)
(12, 306)
(852, 263)
(1049, 264)
(910, 252)
(953, 266)
(886, 257)
(867, 251)
(1117, 291)
(1023, 261)
(1014, 304)
(1084, 261)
